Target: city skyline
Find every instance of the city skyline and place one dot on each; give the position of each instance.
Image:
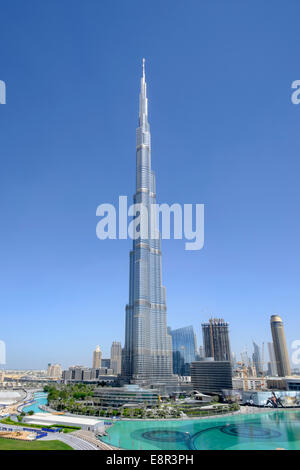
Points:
(235, 151)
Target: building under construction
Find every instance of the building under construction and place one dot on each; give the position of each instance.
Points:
(216, 339)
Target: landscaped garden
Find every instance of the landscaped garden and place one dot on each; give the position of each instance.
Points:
(78, 399)
(13, 444)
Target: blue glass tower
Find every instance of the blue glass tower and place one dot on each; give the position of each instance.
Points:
(147, 354)
(184, 349)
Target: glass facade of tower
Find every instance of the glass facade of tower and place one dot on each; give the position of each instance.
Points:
(147, 357)
(184, 349)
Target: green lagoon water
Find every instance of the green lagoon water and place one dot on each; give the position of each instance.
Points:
(268, 430)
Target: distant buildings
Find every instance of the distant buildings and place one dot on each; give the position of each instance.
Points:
(272, 362)
(116, 357)
(280, 349)
(74, 373)
(256, 357)
(85, 374)
(245, 358)
(201, 352)
(97, 356)
(233, 360)
(184, 349)
(209, 376)
(54, 371)
(216, 339)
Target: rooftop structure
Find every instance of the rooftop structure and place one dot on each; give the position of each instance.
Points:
(48, 419)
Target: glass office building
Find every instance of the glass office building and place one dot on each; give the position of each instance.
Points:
(184, 349)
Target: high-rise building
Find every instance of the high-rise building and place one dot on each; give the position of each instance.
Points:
(216, 339)
(209, 376)
(97, 356)
(146, 354)
(272, 362)
(54, 371)
(184, 349)
(256, 357)
(280, 349)
(116, 357)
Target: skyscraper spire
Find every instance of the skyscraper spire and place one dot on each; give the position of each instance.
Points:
(143, 112)
(144, 60)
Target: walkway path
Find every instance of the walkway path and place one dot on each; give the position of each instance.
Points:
(72, 440)
(91, 438)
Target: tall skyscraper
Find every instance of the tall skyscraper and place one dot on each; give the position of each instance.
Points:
(116, 357)
(97, 356)
(216, 339)
(280, 349)
(256, 357)
(273, 366)
(184, 349)
(146, 354)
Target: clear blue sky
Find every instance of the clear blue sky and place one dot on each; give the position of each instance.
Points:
(224, 133)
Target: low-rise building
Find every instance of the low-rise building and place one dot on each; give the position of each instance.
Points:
(249, 383)
(209, 376)
(120, 396)
(271, 398)
(84, 422)
(291, 383)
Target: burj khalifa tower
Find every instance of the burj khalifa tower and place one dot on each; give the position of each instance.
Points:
(147, 353)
